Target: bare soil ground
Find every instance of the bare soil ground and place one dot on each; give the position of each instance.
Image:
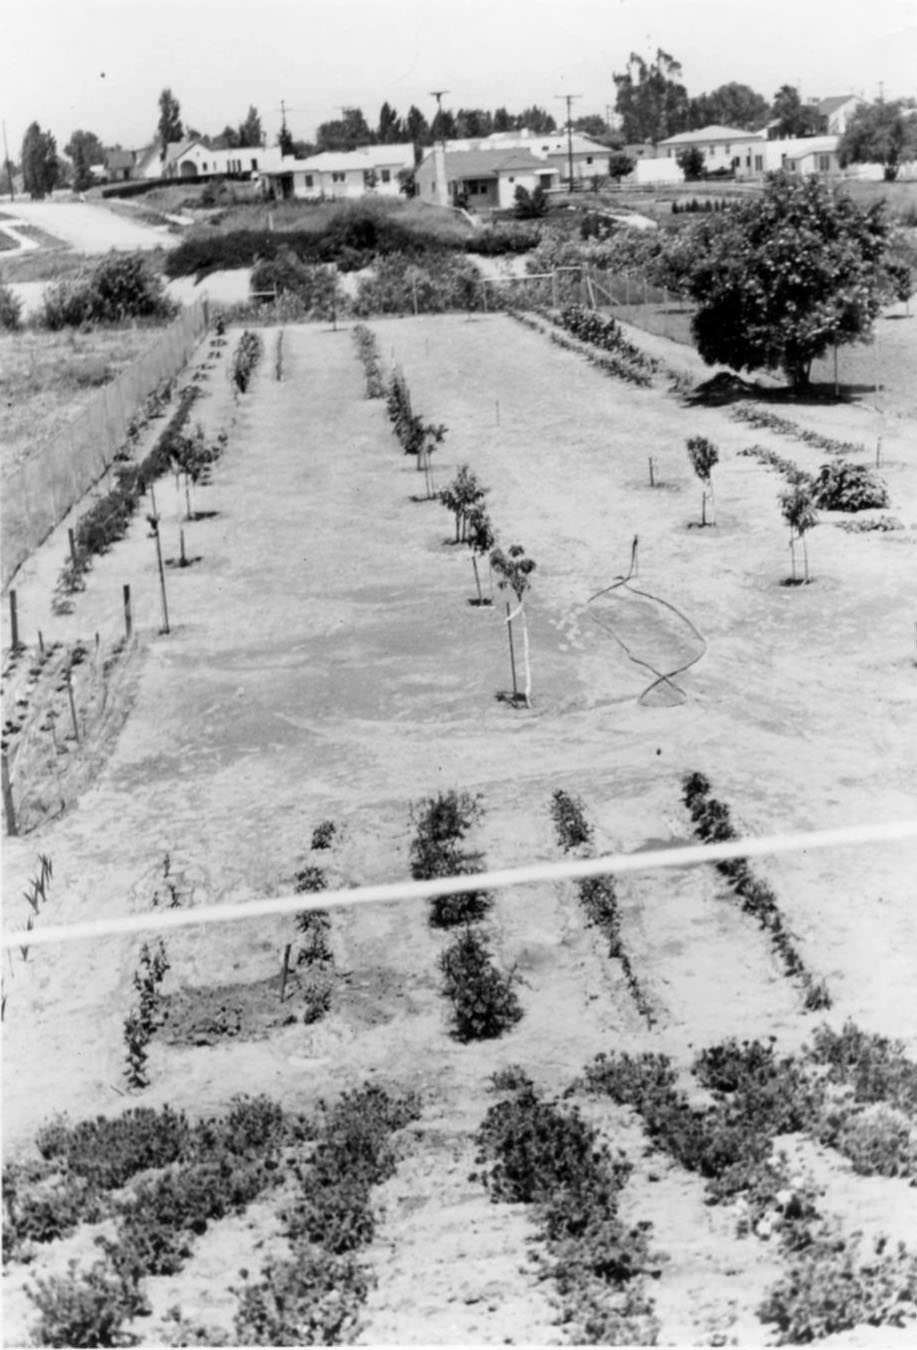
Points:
(324, 663)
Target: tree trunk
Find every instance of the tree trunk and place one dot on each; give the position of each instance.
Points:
(703, 507)
(792, 555)
(477, 579)
(805, 558)
(526, 662)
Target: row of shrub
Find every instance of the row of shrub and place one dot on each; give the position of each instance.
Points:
(830, 1284)
(712, 824)
(401, 283)
(760, 417)
(533, 1151)
(607, 361)
(597, 895)
(838, 486)
(309, 291)
(483, 998)
(107, 519)
(601, 330)
(368, 351)
(415, 435)
(313, 928)
(245, 359)
(706, 206)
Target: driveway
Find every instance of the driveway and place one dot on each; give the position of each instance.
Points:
(90, 228)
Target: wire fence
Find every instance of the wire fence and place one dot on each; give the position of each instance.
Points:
(39, 492)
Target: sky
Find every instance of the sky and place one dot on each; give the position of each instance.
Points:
(100, 65)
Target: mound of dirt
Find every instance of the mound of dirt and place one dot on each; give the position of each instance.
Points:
(724, 387)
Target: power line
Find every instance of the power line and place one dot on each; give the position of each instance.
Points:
(529, 874)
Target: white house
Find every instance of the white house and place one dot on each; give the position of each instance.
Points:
(837, 112)
(590, 157)
(481, 179)
(342, 173)
(195, 158)
(749, 154)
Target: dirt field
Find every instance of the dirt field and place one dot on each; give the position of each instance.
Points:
(324, 663)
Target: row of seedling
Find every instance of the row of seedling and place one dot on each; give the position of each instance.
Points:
(601, 330)
(538, 1152)
(597, 895)
(609, 362)
(244, 360)
(312, 968)
(368, 351)
(759, 417)
(712, 824)
(484, 1000)
(416, 436)
(142, 1022)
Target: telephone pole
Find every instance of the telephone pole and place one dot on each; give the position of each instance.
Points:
(438, 95)
(569, 101)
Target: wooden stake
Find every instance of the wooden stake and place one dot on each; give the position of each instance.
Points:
(188, 496)
(878, 451)
(128, 621)
(41, 643)
(162, 580)
(72, 541)
(652, 477)
(8, 809)
(153, 500)
(512, 653)
(285, 971)
(14, 621)
(76, 725)
(837, 387)
(182, 560)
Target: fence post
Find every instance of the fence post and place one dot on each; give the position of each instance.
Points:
(128, 618)
(8, 809)
(512, 653)
(14, 621)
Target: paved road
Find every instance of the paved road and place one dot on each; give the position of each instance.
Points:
(90, 228)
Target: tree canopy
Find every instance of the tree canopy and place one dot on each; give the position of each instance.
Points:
(880, 133)
(785, 276)
(651, 100)
(250, 130)
(795, 118)
(169, 127)
(40, 165)
(730, 105)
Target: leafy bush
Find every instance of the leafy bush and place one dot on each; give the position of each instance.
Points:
(245, 358)
(400, 284)
(368, 349)
(878, 1140)
(313, 1299)
(536, 1148)
(122, 286)
(85, 1308)
(323, 834)
(483, 998)
(760, 417)
(831, 1287)
(570, 824)
(530, 205)
(845, 486)
(440, 823)
(877, 1069)
(108, 1151)
(10, 310)
(315, 286)
(603, 331)
(504, 237)
(43, 1209)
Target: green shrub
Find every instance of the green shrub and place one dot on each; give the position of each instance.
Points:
(313, 1299)
(845, 486)
(85, 1308)
(108, 1151)
(537, 1148)
(570, 824)
(323, 834)
(877, 1069)
(121, 286)
(401, 284)
(315, 286)
(484, 1000)
(10, 310)
(878, 1140)
(43, 1209)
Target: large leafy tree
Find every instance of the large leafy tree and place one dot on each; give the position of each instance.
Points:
(40, 165)
(537, 120)
(250, 131)
(87, 141)
(787, 275)
(472, 122)
(348, 132)
(880, 133)
(390, 129)
(169, 127)
(730, 105)
(651, 100)
(793, 117)
(416, 126)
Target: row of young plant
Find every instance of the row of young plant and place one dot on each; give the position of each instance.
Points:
(840, 486)
(368, 351)
(607, 361)
(189, 1176)
(601, 330)
(712, 824)
(245, 359)
(831, 1283)
(313, 968)
(536, 1152)
(483, 997)
(759, 417)
(597, 895)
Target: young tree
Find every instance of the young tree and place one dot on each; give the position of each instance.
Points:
(619, 164)
(481, 540)
(537, 120)
(880, 133)
(390, 129)
(82, 177)
(228, 138)
(730, 105)
(460, 496)
(530, 205)
(514, 569)
(250, 131)
(787, 275)
(799, 514)
(652, 101)
(40, 165)
(88, 142)
(703, 455)
(169, 127)
(417, 127)
(794, 118)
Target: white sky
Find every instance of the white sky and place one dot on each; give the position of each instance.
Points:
(101, 65)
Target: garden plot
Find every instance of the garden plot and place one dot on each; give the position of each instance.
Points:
(325, 664)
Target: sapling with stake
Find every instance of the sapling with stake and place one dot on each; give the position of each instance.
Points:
(800, 515)
(514, 570)
(481, 539)
(703, 455)
(459, 496)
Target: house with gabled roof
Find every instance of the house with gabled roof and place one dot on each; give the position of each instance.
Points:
(341, 173)
(837, 111)
(482, 179)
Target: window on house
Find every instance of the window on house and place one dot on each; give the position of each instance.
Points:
(255, 165)
(824, 163)
(339, 178)
(512, 180)
(759, 163)
(204, 165)
(386, 175)
(589, 159)
(309, 180)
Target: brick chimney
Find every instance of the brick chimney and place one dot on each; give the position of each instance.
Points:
(439, 171)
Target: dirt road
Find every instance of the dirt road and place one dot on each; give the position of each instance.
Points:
(90, 228)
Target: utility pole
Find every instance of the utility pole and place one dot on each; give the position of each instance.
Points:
(6, 157)
(569, 101)
(438, 95)
(443, 192)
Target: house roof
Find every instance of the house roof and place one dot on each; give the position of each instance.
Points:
(712, 133)
(176, 149)
(367, 157)
(812, 145)
(826, 106)
(119, 159)
(491, 163)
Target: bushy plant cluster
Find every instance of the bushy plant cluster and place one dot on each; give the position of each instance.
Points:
(10, 310)
(400, 283)
(532, 1151)
(610, 362)
(244, 359)
(441, 824)
(107, 519)
(598, 896)
(121, 286)
(86, 1308)
(570, 824)
(759, 417)
(463, 497)
(313, 927)
(368, 350)
(713, 824)
(416, 436)
(141, 1023)
(875, 1068)
(693, 207)
(313, 286)
(502, 238)
(845, 486)
(314, 1297)
(603, 331)
(483, 997)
